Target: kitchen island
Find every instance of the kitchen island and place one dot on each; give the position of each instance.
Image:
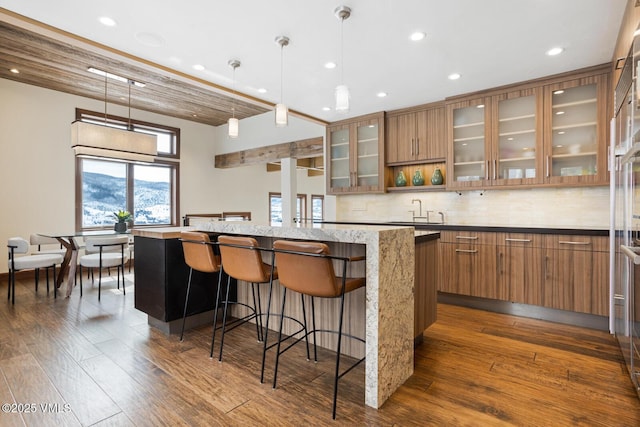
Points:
(388, 313)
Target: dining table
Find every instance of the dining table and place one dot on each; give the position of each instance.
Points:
(70, 260)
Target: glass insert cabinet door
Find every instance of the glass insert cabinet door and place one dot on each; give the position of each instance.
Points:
(517, 145)
(340, 158)
(469, 145)
(367, 170)
(575, 117)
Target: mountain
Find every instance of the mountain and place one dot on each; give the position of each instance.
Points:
(102, 195)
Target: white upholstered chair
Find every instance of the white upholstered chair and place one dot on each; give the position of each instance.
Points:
(104, 252)
(45, 245)
(18, 260)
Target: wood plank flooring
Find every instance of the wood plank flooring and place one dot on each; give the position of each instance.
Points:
(100, 364)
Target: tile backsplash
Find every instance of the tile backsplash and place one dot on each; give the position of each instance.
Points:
(539, 207)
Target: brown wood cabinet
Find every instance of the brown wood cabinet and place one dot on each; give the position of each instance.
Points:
(425, 290)
(355, 155)
(468, 264)
(551, 131)
(564, 272)
(576, 270)
(520, 266)
(416, 135)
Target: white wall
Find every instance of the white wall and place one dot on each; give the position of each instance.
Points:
(37, 167)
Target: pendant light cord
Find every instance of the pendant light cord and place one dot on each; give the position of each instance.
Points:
(129, 83)
(233, 100)
(342, 51)
(105, 98)
(281, 71)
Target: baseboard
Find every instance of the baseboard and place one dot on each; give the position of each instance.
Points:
(584, 320)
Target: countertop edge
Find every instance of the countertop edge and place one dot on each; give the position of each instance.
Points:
(486, 228)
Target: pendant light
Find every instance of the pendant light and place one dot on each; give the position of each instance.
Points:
(282, 112)
(233, 122)
(342, 91)
(105, 141)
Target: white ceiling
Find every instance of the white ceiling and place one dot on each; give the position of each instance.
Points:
(489, 42)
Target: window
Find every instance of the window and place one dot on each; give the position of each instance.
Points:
(275, 207)
(317, 207)
(147, 190)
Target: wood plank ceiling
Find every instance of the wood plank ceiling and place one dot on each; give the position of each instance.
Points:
(55, 64)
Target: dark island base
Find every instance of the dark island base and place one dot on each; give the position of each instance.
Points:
(161, 276)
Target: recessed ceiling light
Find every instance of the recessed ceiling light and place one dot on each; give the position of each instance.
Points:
(194, 115)
(480, 106)
(262, 90)
(381, 94)
(559, 146)
(326, 108)
(558, 92)
(15, 71)
(330, 65)
(454, 76)
(105, 20)
(555, 51)
(417, 36)
(510, 138)
(198, 67)
(150, 39)
(561, 132)
(525, 148)
(559, 113)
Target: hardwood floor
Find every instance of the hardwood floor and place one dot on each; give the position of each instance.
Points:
(104, 366)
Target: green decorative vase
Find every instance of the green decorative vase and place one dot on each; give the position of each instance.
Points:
(401, 180)
(418, 179)
(437, 178)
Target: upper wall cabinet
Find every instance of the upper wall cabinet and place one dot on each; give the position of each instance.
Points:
(355, 153)
(550, 134)
(416, 135)
(576, 132)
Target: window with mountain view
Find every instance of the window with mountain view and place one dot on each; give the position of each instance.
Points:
(147, 190)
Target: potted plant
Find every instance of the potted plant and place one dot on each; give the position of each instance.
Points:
(122, 217)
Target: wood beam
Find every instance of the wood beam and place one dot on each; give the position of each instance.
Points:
(302, 149)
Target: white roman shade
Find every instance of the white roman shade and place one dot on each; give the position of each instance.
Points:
(88, 139)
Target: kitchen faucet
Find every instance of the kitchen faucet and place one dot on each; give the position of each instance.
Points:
(414, 212)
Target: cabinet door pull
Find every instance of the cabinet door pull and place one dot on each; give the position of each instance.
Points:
(548, 172)
(508, 239)
(467, 251)
(486, 172)
(412, 146)
(500, 270)
(467, 237)
(418, 146)
(495, 169)
(568, 242)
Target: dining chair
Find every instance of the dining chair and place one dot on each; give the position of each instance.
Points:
(45, 245)
(105, 252)
(17, 246)
(307, 268)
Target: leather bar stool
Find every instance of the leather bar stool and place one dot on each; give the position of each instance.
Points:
(199, 256)
(307, 268)
(242, 260)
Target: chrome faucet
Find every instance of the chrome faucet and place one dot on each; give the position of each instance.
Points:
(414, 212)
(441, 216)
